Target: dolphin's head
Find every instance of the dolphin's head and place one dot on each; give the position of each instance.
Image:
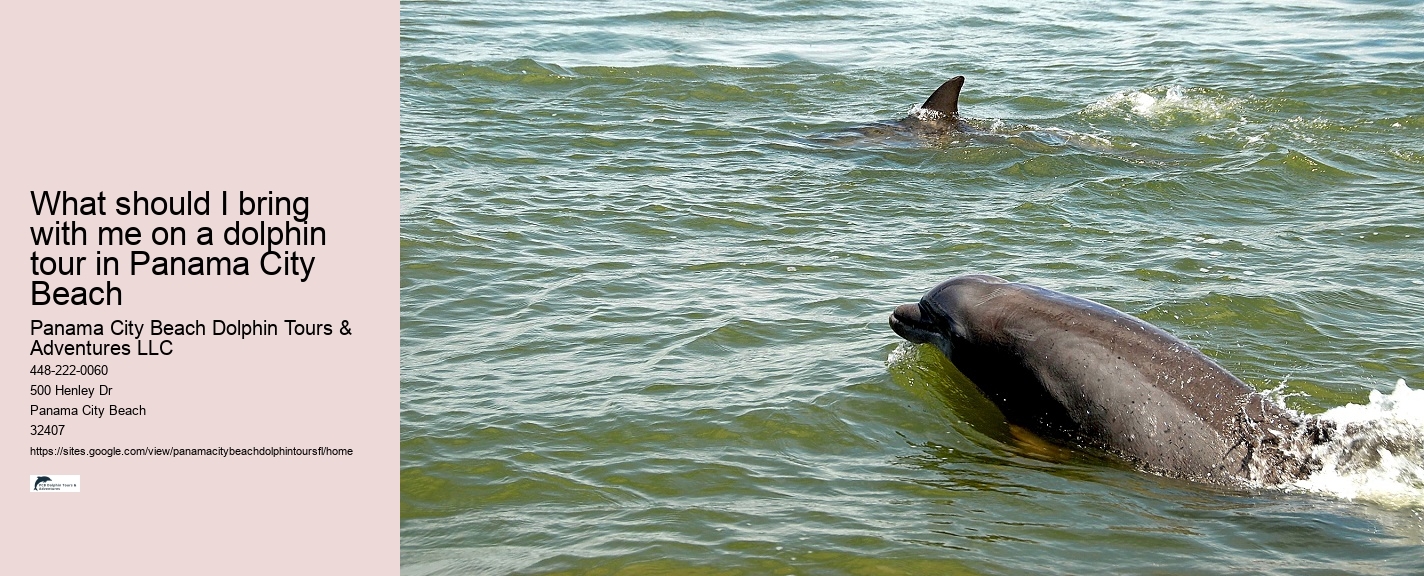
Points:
(942, 316)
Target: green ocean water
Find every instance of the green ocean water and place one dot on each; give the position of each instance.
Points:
(649, 251)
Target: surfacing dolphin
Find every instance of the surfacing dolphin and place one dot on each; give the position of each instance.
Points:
(940, 112)
(935, 119)
(1080, 372)
(938, 122)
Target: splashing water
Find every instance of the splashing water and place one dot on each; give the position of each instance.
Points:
(1378, 451)
(1166, 103)
(925, 114)
(1145, 105)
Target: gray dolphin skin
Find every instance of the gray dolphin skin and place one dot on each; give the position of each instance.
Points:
(1080, 372)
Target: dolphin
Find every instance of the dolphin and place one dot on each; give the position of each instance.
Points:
(40, 480)
(936, 118)
(1082, 373)
(937, 122)
(940, 112)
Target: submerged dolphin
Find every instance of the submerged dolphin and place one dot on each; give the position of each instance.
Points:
(937, 117)
(937, 122)
(1078, 371)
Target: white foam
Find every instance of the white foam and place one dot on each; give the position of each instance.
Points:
(926, 114)
(1144, 104)
(1377, 453)
(1170, 100)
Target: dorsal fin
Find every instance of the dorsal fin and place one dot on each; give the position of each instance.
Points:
(945, 100)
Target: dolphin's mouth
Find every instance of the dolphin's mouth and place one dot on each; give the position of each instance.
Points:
(909, 321)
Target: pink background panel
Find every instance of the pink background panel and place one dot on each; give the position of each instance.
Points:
(300, 98)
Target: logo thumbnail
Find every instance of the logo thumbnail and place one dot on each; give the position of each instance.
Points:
(54, 483)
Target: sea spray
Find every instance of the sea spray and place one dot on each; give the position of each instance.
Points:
(1174, 103)
(1377, 453)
